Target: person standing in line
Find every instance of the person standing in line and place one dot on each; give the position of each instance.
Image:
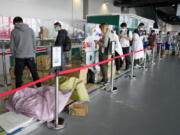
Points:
(125, 40)
(153, 41)
(138, 37)
(160, 41)
(168, 41)
(178, 44)
(64, 41)
(23, 49)
(118, 50)
(145, 40)
(104, 50)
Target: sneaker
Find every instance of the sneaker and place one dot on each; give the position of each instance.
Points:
(118, 72)
(137, 66)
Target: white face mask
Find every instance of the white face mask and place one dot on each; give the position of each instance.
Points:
(123, 30)
(141, 28)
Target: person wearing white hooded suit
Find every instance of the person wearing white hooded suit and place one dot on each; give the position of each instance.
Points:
(137, 45)
(118, 50)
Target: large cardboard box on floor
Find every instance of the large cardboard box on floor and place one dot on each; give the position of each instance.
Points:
(78, 110)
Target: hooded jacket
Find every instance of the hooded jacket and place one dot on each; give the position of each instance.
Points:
(23, 41)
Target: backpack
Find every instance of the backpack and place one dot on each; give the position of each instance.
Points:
(67, 44)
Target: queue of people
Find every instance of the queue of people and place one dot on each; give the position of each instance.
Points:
(23, 46)
(133, 41)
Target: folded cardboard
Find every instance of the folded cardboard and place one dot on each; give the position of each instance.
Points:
(12, 121)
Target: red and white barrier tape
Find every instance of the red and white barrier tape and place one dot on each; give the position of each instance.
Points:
(37, 51)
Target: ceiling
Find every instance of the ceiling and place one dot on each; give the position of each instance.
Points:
(165, 9)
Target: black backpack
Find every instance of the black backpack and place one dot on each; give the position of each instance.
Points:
(67, 44)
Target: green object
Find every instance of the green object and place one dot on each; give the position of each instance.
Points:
(115, 20)
(56, 30)
(108, 19)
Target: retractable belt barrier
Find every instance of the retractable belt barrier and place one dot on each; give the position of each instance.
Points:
(37, 51)
(69, 71)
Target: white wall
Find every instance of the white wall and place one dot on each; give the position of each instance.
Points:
(97, 7)
(46, 9)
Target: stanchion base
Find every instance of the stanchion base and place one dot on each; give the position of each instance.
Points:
(60, 126)
(109, 89)
(114, 90)
(145, 69)
(131, 77)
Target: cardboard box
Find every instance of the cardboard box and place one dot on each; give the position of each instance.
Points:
(81, 75)
(26, 73)
(44, 32)
(43, 62)
(165, 52)
(43, 74)
(80, 110)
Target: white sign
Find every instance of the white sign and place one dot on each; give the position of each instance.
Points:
(56, 56)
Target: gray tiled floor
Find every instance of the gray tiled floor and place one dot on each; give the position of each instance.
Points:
(149, 105)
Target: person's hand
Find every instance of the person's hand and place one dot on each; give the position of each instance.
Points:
(125, 36)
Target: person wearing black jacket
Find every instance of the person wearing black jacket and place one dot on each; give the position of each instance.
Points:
(61, 41)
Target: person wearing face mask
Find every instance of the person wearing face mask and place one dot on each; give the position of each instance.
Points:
(138, 37)
(125, 37)
(64, 41)
(104, 50)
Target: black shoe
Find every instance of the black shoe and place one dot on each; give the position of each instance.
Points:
(104, 81)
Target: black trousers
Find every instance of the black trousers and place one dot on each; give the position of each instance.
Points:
(127, 58)
(118, 62)
(20, 64)
(104, 67)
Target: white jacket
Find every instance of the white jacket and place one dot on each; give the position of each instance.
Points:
(118, 48)
(138, 45)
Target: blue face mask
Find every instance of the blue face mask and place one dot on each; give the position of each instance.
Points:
(56, 30)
